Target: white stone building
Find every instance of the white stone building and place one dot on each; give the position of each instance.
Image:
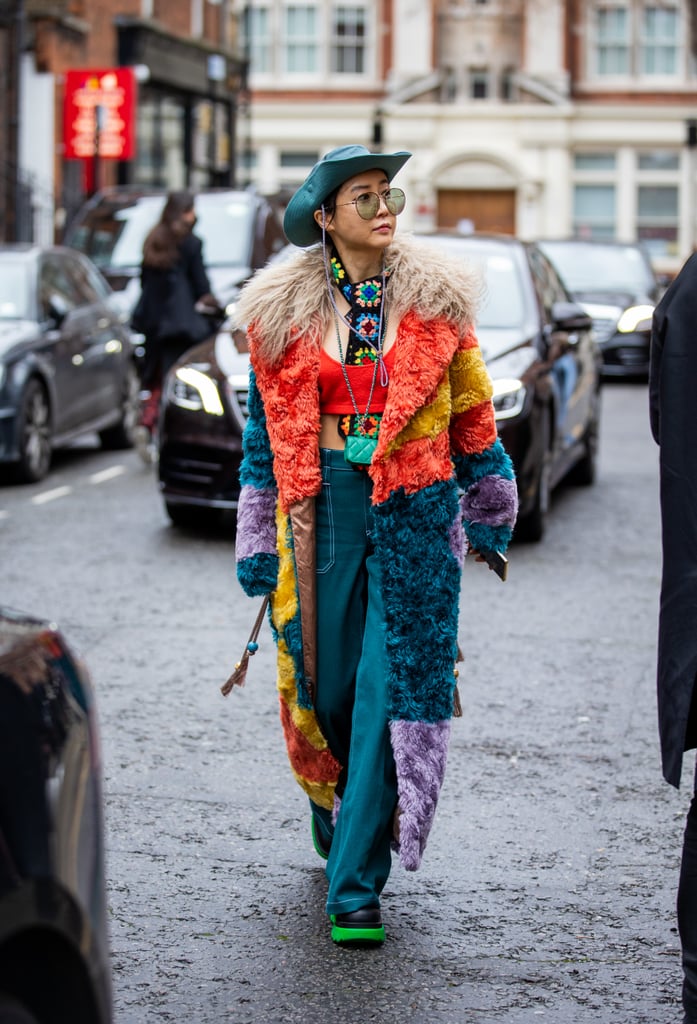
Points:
(540, 118)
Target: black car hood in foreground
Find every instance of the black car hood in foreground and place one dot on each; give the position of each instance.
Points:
(53, 932)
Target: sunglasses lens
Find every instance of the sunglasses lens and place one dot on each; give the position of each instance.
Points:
(395, 200)
(367, 205)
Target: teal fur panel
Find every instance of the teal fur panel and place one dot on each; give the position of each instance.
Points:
(492, 461)
(258, 574)
(292, 634)
(257, 464)
(488, 538)
(421, 587)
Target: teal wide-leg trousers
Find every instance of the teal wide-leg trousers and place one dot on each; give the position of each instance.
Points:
(351, 689)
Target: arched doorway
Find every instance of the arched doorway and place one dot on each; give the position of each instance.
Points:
(480, 193)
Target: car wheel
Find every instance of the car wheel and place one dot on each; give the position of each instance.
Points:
(13, 1012)
(585, 470)
(531, 527)
(34, 434)
(123, 434)
(193, 516)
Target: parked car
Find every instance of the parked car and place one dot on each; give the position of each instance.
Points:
(539, 349)
(240, 230)
(616, 284)
(66, 358)
(54, 949)
(545, 366)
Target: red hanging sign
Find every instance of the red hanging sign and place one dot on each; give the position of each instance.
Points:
(99, 114)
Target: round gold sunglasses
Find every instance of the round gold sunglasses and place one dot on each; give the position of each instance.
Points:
(368, 203)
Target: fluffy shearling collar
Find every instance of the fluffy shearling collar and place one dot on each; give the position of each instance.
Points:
(290, 299)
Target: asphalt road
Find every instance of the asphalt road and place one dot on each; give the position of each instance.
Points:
(548, 887)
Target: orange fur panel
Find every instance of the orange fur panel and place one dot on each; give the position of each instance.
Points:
(316, 766)
(475, 430)
(292, 420)
(418, 463)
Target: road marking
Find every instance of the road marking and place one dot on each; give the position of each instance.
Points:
(57, 492)
(107, 474)
(4, 514)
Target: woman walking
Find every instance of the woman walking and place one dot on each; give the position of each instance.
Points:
(174, 288)
(371, 442)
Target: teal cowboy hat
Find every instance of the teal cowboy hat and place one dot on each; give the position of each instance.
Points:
(328, 174)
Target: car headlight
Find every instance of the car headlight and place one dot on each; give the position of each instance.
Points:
(508, 398)
(193, 390)
(636, 318)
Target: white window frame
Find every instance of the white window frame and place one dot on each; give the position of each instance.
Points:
(277, 75)
(634, 77)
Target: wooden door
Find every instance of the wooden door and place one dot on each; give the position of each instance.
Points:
(491, 210)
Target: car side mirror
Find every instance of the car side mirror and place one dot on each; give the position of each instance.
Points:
(57, 309)
(569, 316)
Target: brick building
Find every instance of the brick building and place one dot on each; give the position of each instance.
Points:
(189, 73)
(539, 117)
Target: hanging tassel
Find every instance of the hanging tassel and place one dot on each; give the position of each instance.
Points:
(239, 673)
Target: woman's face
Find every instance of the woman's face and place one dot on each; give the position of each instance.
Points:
(347, 229)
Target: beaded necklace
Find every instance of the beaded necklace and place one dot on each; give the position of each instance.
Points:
(367, 322)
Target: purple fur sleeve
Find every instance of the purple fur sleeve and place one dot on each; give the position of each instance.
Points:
(491, 501)
(256, 522)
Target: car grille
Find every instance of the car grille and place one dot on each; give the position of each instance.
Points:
(636, 356)
(242, 398)
(604, 329)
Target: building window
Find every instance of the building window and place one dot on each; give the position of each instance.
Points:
(594, 211)
(304, 160)
(257, 37)
(657, 219)
(479, 83)
(594, 161)
(613, 41)
(638, 40)
(301, 40)
(348, 40)
(659, 43)
(659, 160)
(315, 41)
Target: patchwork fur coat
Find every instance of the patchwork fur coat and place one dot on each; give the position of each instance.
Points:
(441, 479)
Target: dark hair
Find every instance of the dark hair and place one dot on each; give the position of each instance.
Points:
(161, 247)
(177, 204)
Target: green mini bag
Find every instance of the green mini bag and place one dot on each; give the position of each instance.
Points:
(359, 450)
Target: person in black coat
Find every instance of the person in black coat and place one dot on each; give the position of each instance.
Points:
(672, 388)
(174, 288)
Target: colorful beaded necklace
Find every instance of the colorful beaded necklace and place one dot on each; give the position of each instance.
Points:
(367, 321)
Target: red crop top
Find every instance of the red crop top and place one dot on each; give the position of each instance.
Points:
(333, 393)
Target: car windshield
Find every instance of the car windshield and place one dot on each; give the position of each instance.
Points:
(598, 267)
(115, 239)
(503, 304)
(14, 289)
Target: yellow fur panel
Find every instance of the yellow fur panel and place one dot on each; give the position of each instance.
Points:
(470, 380)
(284, 602)
(321, 793)
(428, 421)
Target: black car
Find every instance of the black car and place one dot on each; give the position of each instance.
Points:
(240, 230)
(66, 358)
(545, 366)
(54, 950)
(203, 413)
(616, 284)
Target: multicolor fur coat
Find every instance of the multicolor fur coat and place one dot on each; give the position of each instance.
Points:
(438, 467)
